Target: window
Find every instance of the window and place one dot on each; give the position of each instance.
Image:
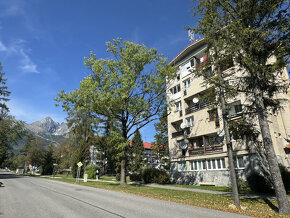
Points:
(198, 165)
(239, 162)
(186, 83)
(190, 121)
(178, 106)
(175, 89)
(213, 116)
(209, 72)
(235, 108)
(209, 164)
(182, 166)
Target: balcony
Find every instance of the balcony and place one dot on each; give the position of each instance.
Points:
(206, 150)
(197, 107)
(180, 133)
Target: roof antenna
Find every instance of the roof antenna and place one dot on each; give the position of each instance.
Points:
(190, 34)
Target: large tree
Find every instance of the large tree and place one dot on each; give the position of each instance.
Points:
(255, 33)
(128, 87)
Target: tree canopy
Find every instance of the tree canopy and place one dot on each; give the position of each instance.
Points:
(255, 36)
(128, 88)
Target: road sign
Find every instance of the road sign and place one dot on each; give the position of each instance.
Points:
(79, 164)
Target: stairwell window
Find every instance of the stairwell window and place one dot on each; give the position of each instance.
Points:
(190, 121)
(178, 106)
(239, 162)
(186, 83)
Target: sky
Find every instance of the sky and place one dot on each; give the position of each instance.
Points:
(43, 44)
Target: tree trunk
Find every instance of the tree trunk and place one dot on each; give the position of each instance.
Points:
(271, 156)
(230, 152)
(123, 170)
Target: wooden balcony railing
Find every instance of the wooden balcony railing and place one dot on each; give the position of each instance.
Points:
(206, 150)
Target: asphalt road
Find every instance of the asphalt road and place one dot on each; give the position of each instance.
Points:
(36, 197)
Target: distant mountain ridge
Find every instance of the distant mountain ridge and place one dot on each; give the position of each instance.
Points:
(48, 126)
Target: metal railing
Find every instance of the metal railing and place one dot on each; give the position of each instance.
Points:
(197, 107)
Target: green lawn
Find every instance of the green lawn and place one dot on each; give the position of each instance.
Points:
(255, 207)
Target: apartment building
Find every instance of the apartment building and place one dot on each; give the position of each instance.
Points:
(195, 128)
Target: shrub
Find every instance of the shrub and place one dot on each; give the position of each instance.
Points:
(151, 175)
(258, 183)
(91, 171)
(135, 177)
(118, 176)
(243, 185)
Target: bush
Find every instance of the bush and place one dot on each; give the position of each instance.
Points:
(258, 183)
(242, 185)
(151, 175)
(118, 176)
(91, 171)
(135, 177)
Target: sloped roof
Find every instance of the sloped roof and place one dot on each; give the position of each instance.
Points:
(186, 50)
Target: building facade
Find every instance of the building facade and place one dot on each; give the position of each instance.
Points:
(195, 128)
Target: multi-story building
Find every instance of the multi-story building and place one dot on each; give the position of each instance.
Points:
(195, 128)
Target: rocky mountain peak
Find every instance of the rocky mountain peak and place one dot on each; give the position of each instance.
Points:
(48, 126)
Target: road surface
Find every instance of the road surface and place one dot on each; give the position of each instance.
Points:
(36, 197)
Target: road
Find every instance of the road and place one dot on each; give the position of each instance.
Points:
(36, 197)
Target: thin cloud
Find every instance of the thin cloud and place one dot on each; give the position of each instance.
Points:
(18, 50)
(12, 8)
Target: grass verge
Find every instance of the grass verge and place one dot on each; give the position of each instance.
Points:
(255, 207)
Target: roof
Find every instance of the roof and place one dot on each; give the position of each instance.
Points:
(186, 50)
(146, 145)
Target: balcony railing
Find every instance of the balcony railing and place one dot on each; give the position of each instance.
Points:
(181, 133)
(197, 107)
(206, 150)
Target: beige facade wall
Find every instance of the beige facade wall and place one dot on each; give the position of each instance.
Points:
(203, 128)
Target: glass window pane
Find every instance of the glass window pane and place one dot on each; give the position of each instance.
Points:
(219, 164)
(223, 163)
(213, 164)
(199, 165)
(209, 164)
(204, 164)
(241, 162)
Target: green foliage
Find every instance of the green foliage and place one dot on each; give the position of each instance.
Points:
(11, 131)
(160, 145)
(152, 175)
(4, 93)
(258, 183)
(137, 154)
(47, 167)
(91, 170)
(34, 150)
(136, 177)
(128, 88)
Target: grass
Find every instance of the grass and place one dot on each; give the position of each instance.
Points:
(255, 207)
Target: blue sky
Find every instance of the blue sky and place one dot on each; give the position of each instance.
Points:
(43, 44)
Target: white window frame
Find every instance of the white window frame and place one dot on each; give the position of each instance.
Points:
(178, 106)
(237, 165)
(190, 121)
(186, 84)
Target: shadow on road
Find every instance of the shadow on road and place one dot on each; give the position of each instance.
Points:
(7, 175)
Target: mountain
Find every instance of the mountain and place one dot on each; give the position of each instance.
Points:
(48, 126)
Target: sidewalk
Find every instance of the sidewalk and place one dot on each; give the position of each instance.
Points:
(262, 196)
(268, 197)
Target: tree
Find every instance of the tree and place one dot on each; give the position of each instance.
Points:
(81, 133)
(48, 161)
(129, 88)
(160, 146)
(256, 35)
(137, 154)
(34, 150)
(11, 131)
(4, 93)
